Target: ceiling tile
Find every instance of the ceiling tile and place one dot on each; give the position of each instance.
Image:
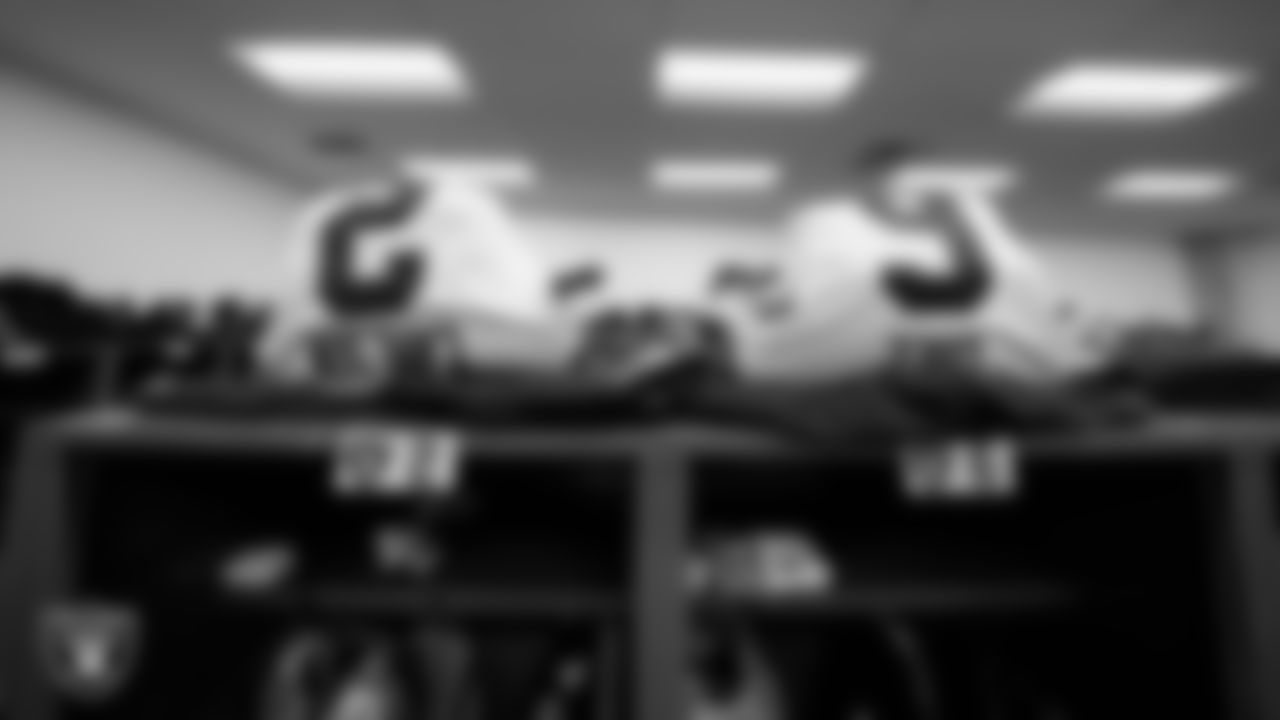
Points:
(1214, 29)
(567, 82)
(566, 76)
(821, 23)
(1045, 26)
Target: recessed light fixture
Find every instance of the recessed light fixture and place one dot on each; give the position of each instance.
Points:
(988, 176)
(1171, 185)
(497, 171)
(756, 79)
(359, 69)
(1131, 91)
(714, 175)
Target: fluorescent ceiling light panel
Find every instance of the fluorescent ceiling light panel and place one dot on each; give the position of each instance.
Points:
(505, 172)
(1171, 185)
(993, 176)
(749, 79)
(360, 69)
(1131, 91)
(714, 175)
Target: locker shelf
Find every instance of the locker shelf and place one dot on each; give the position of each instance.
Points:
(918, 597)
(1131, 550)
(423, 601)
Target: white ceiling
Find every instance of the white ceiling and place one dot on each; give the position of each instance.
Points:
(566, 82)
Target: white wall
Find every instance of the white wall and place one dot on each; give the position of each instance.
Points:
(125, 209)
(1253, 269)
(1131, 278)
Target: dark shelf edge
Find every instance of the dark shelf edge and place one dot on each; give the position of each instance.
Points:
(928, 598)
(915, 598)
(123, 426)
(413, 601)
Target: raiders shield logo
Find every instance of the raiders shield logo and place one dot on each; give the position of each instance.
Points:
(89, 651)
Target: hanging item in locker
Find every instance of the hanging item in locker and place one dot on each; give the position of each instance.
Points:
(386, 462)
(732, 678)
(880, 668)
(445, 663)
(89, 651)
(1015, 686)
(568, 695)
(299, 677)
(319, 675)
(370, 692)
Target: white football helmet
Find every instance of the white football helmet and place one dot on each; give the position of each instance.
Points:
(472, 271)
(847, 317)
